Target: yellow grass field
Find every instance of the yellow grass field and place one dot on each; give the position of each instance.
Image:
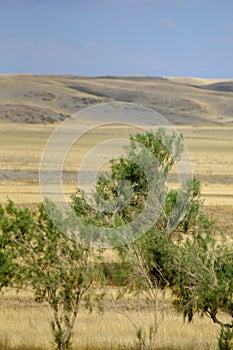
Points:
(23, 324)
(26, 325)
(21, 147)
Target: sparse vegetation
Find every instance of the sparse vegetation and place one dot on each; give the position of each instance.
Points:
(188, 257)
(50, 99)
(188, 270)
(59, 270)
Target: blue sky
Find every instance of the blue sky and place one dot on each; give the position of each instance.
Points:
(114, 37)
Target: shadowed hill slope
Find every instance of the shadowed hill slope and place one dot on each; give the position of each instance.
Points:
(52, 98)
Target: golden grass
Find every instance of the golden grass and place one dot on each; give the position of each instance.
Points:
(21, 148)
(27, 325)
(210, 150)
(197, 81)
(21, 145)
(53, 96)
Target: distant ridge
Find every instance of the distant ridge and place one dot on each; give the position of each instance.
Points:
(44, 99)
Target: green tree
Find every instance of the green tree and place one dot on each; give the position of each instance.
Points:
(60, 271)
(181, 249)
(149, 159)
(18, 221)
(202, 282)
(147, 165)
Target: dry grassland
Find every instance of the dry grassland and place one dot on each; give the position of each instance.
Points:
(46, 99)
(21, 148)
(25, 325)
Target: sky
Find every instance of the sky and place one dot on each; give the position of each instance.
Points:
(117, 37)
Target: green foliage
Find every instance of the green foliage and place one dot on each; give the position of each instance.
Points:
(60, 271)
(202, 278)
(226, 339)
(146, 262)
(14, 223)
(145, 341)
(149, 157)
(203, 282)
(180, 250)
(117, 273)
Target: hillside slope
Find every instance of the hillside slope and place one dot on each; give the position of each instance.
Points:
(52, 98)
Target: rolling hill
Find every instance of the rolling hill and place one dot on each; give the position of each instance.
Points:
(44, 99)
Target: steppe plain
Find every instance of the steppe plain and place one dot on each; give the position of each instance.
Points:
(31, 108)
